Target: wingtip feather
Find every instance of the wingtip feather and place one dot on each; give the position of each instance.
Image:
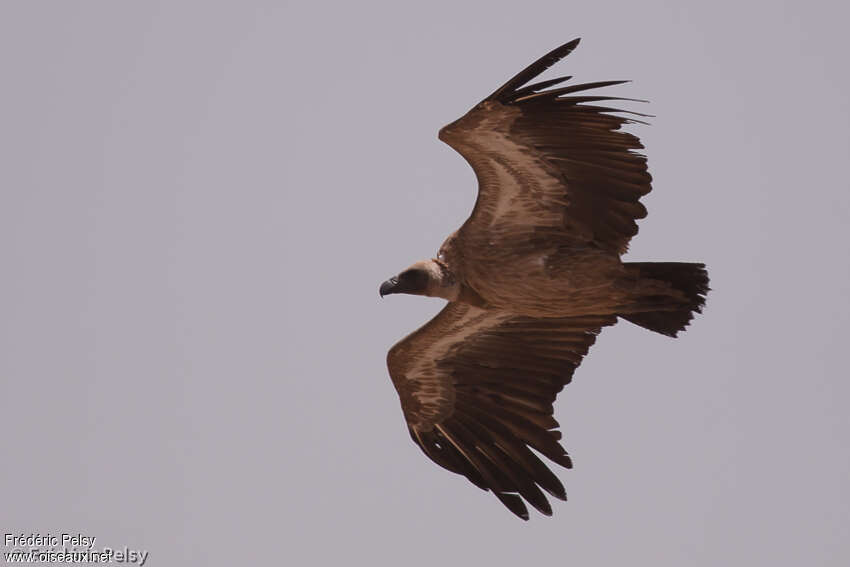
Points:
(506, 91)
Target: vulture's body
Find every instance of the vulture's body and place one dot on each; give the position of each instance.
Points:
(531, 277)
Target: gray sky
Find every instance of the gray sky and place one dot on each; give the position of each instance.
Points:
(199, 200)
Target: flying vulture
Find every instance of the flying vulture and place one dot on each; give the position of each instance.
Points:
(531, 278)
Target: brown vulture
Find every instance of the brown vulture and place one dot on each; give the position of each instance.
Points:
(531, 278)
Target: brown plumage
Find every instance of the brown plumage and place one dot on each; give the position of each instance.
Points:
(531, 277)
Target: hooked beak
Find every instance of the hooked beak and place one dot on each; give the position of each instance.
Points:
(389, 286)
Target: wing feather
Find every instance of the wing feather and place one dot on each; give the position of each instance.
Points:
(507, 90)
(540, 86)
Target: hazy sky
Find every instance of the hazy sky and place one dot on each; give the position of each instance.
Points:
(200, 199)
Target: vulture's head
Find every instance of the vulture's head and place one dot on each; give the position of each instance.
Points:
(428, 277)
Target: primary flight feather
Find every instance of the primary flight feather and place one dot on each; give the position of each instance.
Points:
(531, 278)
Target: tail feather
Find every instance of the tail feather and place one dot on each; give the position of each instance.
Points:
(689, 279)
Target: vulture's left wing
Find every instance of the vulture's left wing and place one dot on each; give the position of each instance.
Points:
(553, 169)
(477, 388)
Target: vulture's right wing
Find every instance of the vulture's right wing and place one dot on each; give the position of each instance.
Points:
(477, 388)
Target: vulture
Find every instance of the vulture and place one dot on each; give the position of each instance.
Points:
(531, 278)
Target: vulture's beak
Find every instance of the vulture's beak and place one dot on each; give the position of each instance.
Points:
(389, 286)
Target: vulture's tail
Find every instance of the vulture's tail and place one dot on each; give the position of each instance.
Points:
(690, 282)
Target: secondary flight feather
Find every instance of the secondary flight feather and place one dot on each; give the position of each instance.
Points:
(531, 278)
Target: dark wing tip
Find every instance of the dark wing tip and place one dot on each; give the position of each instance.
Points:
(513, 503)
(506, 91)
(555, 93)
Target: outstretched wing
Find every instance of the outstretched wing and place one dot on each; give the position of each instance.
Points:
(477, 388)
(552, 169)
